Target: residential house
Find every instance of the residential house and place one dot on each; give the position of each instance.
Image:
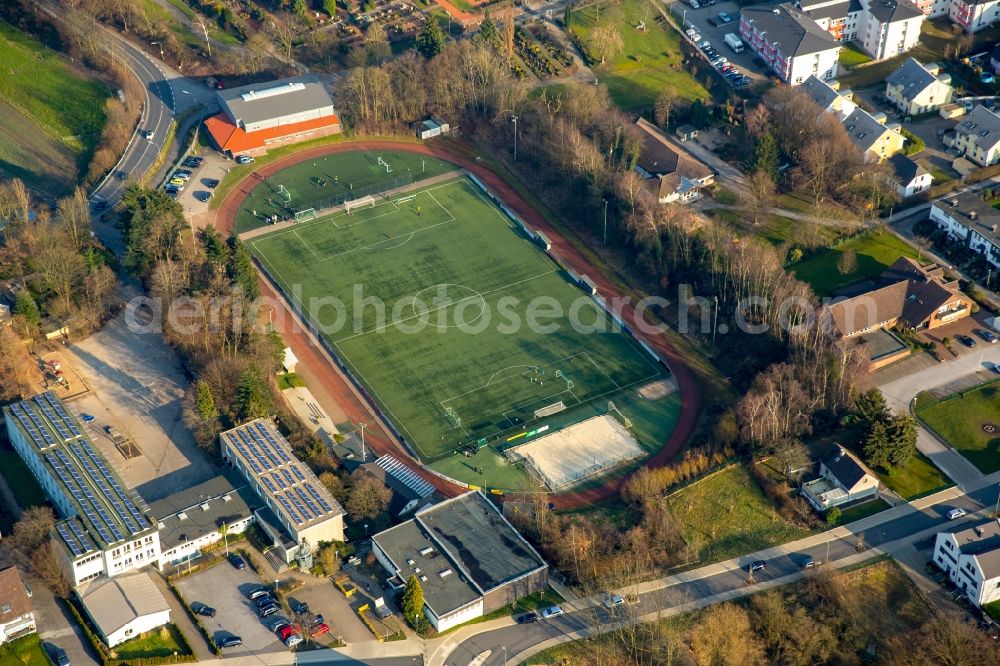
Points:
(971, 558)
(790, 42)
(917, 297)
(908, 177)
(974, 15)
(873, 137)
(915, 88)
(842, 478)
(17, 617)
(973, 220)
(469, 559)
(882, 28)
(125, 607)
(977, 136)
(673, 174)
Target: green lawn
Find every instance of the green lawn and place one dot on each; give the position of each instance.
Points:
(19, 478)
(875, 253)
(852, 56)
(24, 651)
(52, 116)
(344, 176)
(289, 380)
(162, 642)
(726, 514)
(435, 303)
(959, 419)
(859, 511)
(650, 60)
(919, 478)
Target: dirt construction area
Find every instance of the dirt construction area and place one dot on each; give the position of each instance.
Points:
(137, 388)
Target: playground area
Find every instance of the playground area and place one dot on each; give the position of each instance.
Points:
(328, 182)
(431, 301)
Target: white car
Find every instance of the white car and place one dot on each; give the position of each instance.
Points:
(244, 159)
(955, 514)
(613, 601)
(551, 611)
(148, 135)
(696, 36)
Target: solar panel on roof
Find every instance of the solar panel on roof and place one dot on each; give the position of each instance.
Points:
(78, 532)
(124, 504)
(269, 484)
(289, 509)
(298, 472)
(74, 546)
(293, 495)
(56, 422)
(327, 508)
(308, 501)
(61, 411)
(41, 429)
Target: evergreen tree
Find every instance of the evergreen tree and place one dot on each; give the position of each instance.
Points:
(870, 407)
(766, 155)
(413, 602)
(430, 42)
(24, 305)
(252, 397)
(877, 447)
(240, 268)
(215, 247)
(488, 29)
(205, 401)
(902, 435)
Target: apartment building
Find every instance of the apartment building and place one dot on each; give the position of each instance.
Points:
(971, 558)
(970, 219)
(876, 139)
(882, 28)
(792, 44)
(915, 88)
(977, 136)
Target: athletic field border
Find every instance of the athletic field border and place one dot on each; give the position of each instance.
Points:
(575, 259)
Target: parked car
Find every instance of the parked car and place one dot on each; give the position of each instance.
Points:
(279, 625)
(259, 592)
(966, 340)
(203, 609)
(955, 514)
(319, 629)
(179, 182)
(183, 175)
(87, 418)
(808, 562)
(696, 37)
(613, 601)
(268, 611)
(229, 641)
(244, 159)
(526, 618)
(725, 18)
(285, 632)
(264, 600)
(237, 561)
(293, 640)
(705, 44)
(211, 183)
(756, 565)
(986, 335)
(300, 607)
(316, 619)
(551, 611)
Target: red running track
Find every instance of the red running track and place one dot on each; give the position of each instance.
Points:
(325, 370)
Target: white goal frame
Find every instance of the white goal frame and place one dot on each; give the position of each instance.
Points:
(359, 202)
(382, 162)
(306, 215)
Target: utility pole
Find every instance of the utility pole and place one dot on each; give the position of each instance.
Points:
(364, 457)
(513, 119)
(605, 222)
(715, 325)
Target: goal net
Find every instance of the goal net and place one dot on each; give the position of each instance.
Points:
(305, 215)
(285, 194)
(359, 202)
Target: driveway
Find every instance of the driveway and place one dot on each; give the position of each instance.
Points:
(57, 628)
(716, 34)
(138, 387)
(225, 589)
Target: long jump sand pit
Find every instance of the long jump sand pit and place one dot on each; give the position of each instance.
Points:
(578, 451)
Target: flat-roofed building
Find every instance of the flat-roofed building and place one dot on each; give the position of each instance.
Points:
(259, 116)
(107, 528)
(300, 512)
(469, 559)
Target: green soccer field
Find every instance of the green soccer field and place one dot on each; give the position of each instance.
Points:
(328, 181)
(458, 326)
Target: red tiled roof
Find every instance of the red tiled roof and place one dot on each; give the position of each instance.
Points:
(236, 139)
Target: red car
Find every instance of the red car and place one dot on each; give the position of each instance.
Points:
(320, 629)
(285, 632)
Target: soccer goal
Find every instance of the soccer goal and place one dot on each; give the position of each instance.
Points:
(285, 194)
(359, 202)
(407, 199)
(382, 162)
(305, 215)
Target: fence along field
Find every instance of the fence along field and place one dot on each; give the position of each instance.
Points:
(51, 114)
(448, 247)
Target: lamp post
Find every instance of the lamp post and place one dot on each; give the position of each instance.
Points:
(504, 655)
(160, 44)
(513, 119)
(605, 222)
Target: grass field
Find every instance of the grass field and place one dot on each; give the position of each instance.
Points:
(52, 115)
(726, 514)
(346, 175)
(959, 419)
(875, 253)
(458, 326)
(163, 642)
(852, 56)
(24, 651)
(650, 60)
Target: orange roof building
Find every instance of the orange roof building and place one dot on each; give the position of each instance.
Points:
(259, 116)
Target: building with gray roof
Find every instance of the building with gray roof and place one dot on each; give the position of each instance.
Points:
(468, 558)
(915, 88)
(125, 607)
(260, 106)
(971, 558)
(972, 218)
(107, 528)
(192, 519)
(792, 44)
(978, 136)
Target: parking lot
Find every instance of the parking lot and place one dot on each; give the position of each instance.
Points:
(137, 387)
(196, 195)
(225, 589)
(699, 19)
(337, 610)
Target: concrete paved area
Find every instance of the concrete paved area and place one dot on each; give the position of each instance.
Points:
(58, 629)
(338, 611)
(138, 387)
(225, 589)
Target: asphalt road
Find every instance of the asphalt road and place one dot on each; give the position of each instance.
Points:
(517, 638)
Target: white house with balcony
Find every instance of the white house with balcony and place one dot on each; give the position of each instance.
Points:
(971, 558)
(17, 617)
(842, 478)
(970, 219)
